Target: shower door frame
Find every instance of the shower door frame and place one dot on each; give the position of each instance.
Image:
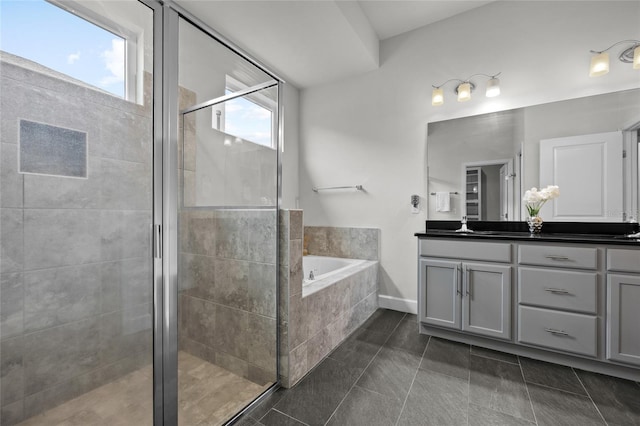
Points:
(166, 191)
(156, 239)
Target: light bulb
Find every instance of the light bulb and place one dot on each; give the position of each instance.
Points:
(464, 92)
(437, 97)
(636, 58)
(493, 88)
(599, 64)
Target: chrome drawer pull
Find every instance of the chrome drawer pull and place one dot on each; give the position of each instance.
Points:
(556, 257)
(558, 332)
(556, 290)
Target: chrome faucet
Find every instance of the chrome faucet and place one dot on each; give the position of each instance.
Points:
(311, 277)
(463, 227)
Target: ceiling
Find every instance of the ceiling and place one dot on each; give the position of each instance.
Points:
(392, 17)
(313, 42)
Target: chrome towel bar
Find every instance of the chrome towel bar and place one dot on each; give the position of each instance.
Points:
(357, 187)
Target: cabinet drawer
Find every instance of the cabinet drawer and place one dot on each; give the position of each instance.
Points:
(490, 252)
(566, 257)
(559, 289)
(564, 331)
(623, 260)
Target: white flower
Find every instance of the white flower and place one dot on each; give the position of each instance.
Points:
(532, 196)
(534, 199)
(554, 191)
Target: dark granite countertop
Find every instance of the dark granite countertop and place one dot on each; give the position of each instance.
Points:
(564, 232)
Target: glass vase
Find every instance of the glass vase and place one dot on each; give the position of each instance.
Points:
(535, 224)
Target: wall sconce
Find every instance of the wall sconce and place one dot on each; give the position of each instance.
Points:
(465, 87)
(600, 58)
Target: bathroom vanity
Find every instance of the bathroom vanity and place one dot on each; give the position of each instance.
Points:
(570, 295)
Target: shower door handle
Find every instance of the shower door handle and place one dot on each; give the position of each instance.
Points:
(157, 241)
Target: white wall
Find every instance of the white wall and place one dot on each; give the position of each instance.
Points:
(371, 129)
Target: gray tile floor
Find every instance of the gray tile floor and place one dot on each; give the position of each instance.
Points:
(388, 374)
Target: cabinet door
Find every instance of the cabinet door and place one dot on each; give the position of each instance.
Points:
(486, 300)
(439, 293)
(623, 318)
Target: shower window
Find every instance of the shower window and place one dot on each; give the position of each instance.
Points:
(249, 118)
(93, 49)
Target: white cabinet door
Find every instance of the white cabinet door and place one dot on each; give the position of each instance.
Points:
(439, 293)
(583, 164)
(623, 318)
(486, 300)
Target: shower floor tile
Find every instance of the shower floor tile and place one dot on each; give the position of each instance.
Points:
(208, 395)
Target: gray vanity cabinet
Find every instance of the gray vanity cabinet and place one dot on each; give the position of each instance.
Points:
(468, 296)
(486, 300)
(623, 322)
(557, 297)
(623, 306)
(440, 300)
(572, 303)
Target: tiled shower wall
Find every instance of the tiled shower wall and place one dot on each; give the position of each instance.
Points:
(228, 290)
(74, 260)
(313, 325)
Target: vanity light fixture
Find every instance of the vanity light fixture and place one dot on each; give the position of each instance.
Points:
(464, 91)
(465, 88)
(600, 58)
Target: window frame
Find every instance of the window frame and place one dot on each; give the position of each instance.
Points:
(234, 85)
(133, 45)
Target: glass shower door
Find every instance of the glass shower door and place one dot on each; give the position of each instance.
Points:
(227, 260)
(227, 266)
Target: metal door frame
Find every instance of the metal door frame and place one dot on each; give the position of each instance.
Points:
(166, 20)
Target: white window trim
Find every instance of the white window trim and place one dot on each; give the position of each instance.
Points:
(235, 85)
(133, 80)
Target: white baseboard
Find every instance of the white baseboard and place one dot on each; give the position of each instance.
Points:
(397, 304)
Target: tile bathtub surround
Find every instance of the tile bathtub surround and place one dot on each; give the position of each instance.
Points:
(351, 243)
(314, 325)
(227, 298)
(75, 270)
(386, 373)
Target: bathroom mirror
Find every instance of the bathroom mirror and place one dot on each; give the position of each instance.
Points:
(486, 162)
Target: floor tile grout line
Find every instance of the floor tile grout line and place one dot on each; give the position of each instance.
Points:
(589, 395)
(584, 395)
(363, 371)
(494, 359)
(286, 415)
(404, 403)
(371, 391)
(353, 386)
(526, 387)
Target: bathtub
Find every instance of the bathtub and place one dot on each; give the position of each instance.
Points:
(327, 271)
